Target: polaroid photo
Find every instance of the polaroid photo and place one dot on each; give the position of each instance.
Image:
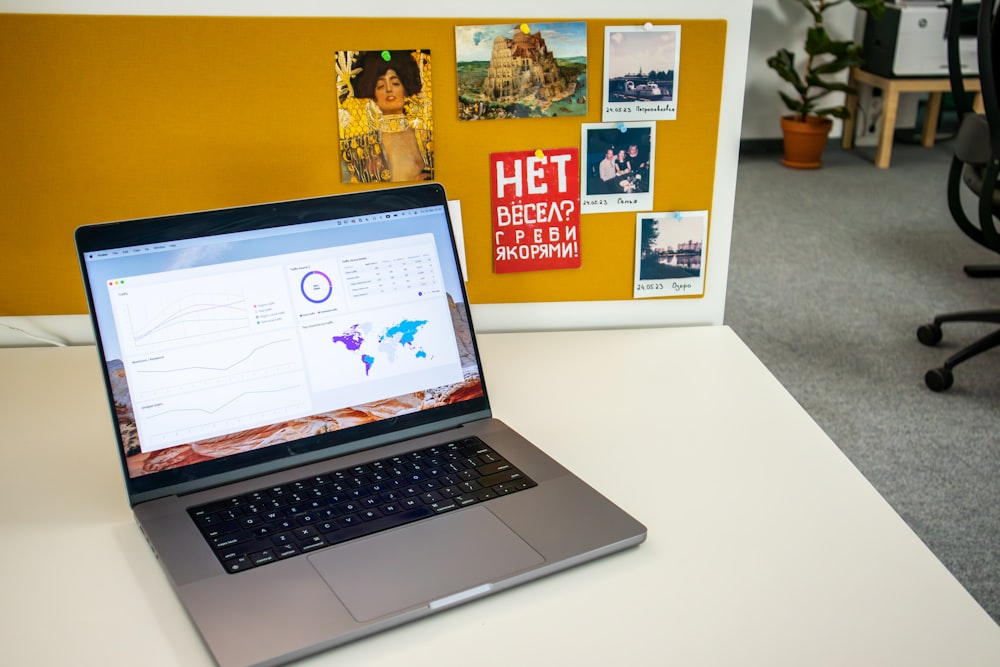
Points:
(521, 70)
(641, 68)
(670, 254)
(616, 171)
(385, 116)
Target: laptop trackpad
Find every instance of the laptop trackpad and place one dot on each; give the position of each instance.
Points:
(423, 562)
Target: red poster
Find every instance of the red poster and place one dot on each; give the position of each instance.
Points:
(536, 210)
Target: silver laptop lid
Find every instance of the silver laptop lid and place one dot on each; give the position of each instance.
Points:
(240, 341)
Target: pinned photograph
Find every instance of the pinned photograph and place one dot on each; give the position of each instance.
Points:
(617, 169)
(521, 70)
(640, 72)
(670, 254)
(385, 116)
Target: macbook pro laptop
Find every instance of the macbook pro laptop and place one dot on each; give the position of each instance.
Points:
(304, 426)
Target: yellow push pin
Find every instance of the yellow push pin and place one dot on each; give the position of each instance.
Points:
(525, 29)
(539, 153)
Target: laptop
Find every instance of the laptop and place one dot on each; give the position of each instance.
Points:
(304, 426)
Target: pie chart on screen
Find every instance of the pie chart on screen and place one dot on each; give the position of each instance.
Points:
(316, 286)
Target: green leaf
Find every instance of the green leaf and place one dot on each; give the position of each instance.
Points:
(840, 112)
(783, 62)
(836, 65)
(874, 7)
(793, 104)
(818, 41)
(829, 86)
(783, 58)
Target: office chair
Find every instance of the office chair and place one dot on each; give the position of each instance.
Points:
(975, 165)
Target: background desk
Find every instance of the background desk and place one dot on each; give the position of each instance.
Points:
(766, 546)
(891, 88)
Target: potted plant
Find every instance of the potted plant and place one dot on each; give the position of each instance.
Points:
(807, 128)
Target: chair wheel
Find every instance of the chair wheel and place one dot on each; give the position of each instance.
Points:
(929, 334)
(939, 379)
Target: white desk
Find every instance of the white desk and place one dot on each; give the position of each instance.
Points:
(766, 546)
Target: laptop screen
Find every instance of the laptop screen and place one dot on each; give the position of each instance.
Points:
(240, 340)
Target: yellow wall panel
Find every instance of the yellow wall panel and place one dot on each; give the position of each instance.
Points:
(108, 117)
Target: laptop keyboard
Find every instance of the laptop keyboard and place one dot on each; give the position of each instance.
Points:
(278, 522)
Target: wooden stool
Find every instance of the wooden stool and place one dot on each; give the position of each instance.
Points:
(891, 88)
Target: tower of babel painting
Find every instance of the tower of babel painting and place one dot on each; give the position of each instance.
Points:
(522, 67)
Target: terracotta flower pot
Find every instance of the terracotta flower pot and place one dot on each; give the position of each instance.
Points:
(805, 141)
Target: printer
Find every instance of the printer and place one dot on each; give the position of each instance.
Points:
(910, 40)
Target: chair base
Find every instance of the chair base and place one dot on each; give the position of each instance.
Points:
(941, 379)
(982, 270)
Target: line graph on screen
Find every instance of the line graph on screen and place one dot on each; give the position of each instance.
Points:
(191, 316)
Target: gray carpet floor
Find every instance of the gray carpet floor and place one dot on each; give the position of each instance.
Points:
(831, 273)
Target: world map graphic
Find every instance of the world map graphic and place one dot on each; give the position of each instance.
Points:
(374, 346)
